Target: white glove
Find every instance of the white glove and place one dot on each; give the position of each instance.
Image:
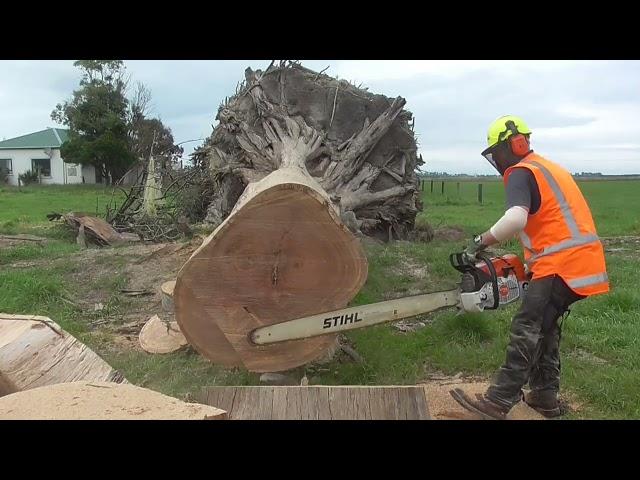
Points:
(475, 245)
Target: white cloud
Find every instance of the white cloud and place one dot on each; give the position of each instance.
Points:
(610, 125)
(376, 70)
(583, 113)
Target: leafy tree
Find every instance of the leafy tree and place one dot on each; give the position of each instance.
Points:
(106, 129)
(151, 131)
(98, 119)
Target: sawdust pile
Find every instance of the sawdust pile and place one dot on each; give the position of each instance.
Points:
(442, 406)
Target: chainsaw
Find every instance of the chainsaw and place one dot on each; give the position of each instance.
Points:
(487, 283)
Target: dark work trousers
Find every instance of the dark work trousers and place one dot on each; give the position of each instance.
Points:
(533, 353)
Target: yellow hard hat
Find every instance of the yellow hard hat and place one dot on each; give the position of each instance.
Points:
(499, 131)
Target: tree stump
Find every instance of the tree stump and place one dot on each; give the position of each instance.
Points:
(366, 161)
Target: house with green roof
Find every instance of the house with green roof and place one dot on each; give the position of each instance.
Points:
(40, 151)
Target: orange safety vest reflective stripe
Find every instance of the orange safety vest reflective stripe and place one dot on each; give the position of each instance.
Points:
(561, 238)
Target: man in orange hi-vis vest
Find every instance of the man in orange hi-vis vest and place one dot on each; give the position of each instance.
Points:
(564, 258)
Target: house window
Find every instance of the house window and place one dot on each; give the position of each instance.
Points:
(72, 171)
(43, 165)
(6, 166)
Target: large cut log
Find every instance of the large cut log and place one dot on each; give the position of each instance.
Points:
(35, 351)
(282, 253)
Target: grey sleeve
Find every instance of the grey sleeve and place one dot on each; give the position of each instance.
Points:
(518, 189)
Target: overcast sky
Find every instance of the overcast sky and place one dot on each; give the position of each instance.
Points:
(583, 114)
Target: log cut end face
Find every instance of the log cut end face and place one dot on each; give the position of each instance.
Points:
(283, 255)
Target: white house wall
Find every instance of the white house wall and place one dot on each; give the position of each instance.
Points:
(89, 174)
(61, 173)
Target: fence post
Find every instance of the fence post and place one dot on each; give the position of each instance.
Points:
(480, 192)
(432, 185)
(442, 190)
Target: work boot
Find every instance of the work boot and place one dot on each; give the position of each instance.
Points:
(544, 402)
(481, 405)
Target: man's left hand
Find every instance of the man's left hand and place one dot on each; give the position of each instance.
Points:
(475, 245)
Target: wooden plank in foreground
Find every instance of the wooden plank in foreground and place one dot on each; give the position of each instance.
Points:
(319, 402)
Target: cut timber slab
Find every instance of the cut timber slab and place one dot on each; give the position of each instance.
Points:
(161, 337)
(101, 401)
(35, 351)
(319, 402)
(166, 294)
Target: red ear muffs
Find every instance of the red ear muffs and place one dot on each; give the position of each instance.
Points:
(519, 145)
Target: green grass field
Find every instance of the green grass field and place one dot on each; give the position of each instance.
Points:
(614, 205)
(600, 344)
(24, 210)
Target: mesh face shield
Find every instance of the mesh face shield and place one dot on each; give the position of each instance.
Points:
(489, 155)
(500, 157)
